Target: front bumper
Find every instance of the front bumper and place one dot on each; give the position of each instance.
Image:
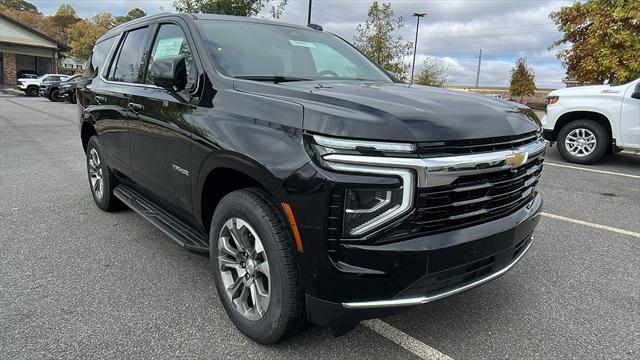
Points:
(454, 262)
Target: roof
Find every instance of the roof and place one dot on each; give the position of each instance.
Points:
(118, 29)
(61, 46)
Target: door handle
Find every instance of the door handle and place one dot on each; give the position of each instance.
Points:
(100, 99)
(136, 107)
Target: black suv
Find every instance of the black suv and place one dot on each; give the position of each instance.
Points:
(323, 189)
(53, 90)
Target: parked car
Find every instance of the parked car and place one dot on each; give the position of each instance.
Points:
(322, 189)
(497, 96)
(590, 121)
(31, 86)
(68, 89)
(52, 89)
(26, 74)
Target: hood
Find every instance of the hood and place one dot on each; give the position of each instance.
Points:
(593, 90)
(402, 112)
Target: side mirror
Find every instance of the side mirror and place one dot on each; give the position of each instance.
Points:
(636, 93)
(169, 73)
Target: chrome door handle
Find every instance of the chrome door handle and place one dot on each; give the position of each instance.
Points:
(136, 107)
(100, 99)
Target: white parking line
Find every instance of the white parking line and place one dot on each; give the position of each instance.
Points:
(592, 170)
(597, 226)
(408, 342)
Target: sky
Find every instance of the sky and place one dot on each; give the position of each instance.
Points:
(453, 32)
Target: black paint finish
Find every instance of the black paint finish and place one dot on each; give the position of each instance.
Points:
(169, 145)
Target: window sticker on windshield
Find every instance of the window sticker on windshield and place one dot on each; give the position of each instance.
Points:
(303, 43)
(168, 47)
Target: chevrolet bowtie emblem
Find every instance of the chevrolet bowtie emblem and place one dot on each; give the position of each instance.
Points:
(517, 158)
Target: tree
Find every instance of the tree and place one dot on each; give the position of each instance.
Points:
(522, 80)
(64, 17)
(104, 20)
(376, 40)
(18, 5)
(82, 36)
(432, 73)
(604, 37)
(131, 15)
(230, 7)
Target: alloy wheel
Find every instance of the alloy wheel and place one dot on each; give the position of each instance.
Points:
(580, 142)
(95, 174)
(244, 268)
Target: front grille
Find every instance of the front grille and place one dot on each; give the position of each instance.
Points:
(457, 147)
(474, 199)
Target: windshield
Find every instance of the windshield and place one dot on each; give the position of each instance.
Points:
(262, 51)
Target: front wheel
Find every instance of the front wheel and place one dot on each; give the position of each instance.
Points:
(253, 266)
(55, 95)
(583, 141)
(32, 91)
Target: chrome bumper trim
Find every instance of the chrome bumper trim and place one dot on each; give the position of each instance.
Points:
(440, 171)
(425, 299)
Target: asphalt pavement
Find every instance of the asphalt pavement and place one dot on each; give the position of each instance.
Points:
(76, 282)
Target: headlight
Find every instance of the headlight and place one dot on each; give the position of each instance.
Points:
(367, 208)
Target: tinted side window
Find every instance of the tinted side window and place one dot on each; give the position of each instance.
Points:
(171, 41)
(98, 57)
(130, 57)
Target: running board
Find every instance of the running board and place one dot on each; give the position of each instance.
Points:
(179, 231)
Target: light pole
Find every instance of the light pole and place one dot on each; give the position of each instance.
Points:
(415, 45)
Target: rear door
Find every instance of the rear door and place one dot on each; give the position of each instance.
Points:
(630, 118)
(161, 123)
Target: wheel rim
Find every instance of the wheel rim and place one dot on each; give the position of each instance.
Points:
(95, 174)
(580, 142)
(32, 91)
(244, 269)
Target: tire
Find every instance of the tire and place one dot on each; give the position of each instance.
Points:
(72, 98)
(101, 179)
(32, 91)
(54, 95)
(257, 219)
(595, 137)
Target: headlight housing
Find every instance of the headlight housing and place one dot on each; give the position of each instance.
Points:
(369, 209)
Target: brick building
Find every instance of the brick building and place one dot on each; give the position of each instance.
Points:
(24, 50)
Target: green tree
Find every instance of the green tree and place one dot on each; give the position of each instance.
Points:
(230, 7)
(104, 20)
(82, 36)
(64, 17)
(604, 37)
(522, 80)
(375, 39)
(432, 73)
(18, 5)
(131, 15)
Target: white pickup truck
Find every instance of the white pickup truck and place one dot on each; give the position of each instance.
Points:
(31, 87)
(590, 121)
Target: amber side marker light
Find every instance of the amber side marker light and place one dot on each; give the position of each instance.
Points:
(294, 227)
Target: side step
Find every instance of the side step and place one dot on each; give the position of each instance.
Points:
(181, 232)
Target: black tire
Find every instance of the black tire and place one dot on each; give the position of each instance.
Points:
(104, 199)
(54, 95)
(602, 138)
(32, 91)
(284, 315)
(72, 97)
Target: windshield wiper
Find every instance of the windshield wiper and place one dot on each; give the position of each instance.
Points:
(275, 78)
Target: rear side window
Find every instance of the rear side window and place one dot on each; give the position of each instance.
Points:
(171, 41)
(130, 58)
(98, 57)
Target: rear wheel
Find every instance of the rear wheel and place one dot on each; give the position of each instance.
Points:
(101, 179)
(253, 267)
(583, 141)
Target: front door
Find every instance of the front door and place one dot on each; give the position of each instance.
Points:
(161, 125)
(630, 118)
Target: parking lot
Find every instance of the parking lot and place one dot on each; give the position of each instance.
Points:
(79, 283)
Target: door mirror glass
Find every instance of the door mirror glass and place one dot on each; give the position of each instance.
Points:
(169, 73)
(636, 92)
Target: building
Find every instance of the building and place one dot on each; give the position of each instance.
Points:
(71, 65)
(26, 51)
